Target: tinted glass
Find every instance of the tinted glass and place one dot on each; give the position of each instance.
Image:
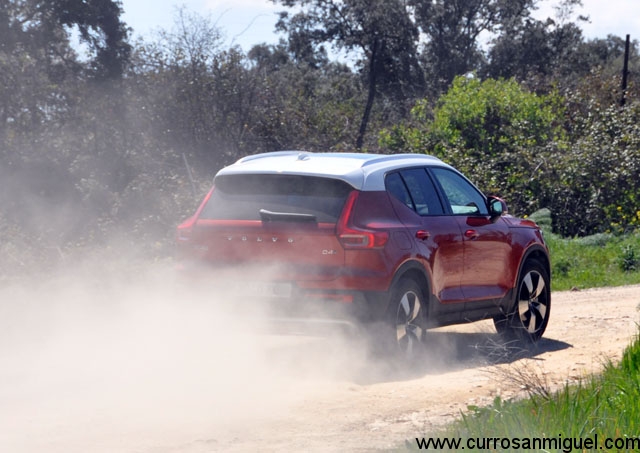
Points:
(396, 187)
(462, 196)
(241, 197)
(422, 191)
(415, 189)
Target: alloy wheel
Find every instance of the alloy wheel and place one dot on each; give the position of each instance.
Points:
(408, 330)
(533, 302)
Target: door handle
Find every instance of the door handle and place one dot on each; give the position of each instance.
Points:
(422, 234)
(471, 234)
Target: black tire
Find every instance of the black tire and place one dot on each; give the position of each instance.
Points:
(529, 315)
(404, 331)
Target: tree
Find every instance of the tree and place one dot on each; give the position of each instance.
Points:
(35, 59)
(607, 55)
(542, 53)
(100, 26)
(49, 132)
(599, 172)
(303, 107)
(40, 69)
(380, 32)
(47, 25)
(539, 50)
(452, 30)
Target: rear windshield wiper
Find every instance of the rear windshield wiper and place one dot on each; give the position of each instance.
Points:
(270, 216)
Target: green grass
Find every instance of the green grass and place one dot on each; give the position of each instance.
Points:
(600, 407)
(593, 261)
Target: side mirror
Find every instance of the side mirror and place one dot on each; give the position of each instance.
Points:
(497, 206)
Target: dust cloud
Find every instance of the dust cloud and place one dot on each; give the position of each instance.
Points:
(120, 355)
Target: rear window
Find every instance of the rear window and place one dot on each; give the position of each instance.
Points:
(242, 197)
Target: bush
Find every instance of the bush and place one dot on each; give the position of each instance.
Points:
(536, 151)
(629, 259)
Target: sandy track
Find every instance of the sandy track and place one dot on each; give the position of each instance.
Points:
(129, 366)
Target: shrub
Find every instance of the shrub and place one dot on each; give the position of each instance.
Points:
(629, 259)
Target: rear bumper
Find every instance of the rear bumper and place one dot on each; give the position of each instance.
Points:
(316, 307)
(286, 301)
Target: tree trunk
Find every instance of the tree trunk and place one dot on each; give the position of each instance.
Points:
(370, 97)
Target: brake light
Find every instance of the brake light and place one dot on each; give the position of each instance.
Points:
(354, 237)
(364, 239)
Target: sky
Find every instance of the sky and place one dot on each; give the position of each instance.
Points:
(249, 22)
(242, 22)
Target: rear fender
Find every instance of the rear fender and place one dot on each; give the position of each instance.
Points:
(415, 271)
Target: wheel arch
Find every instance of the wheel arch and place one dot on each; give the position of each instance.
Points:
(415, 271)
(539, 253)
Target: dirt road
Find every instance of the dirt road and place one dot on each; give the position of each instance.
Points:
(128, 365)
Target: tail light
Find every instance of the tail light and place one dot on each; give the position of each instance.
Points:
(184, 230)
(352, 237)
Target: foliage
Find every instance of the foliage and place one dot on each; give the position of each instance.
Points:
(599, 173)
(492, 117)
(629, 260)
(541, 50)
(381, 32)
(452, 29)
(43, 27)
(99, 25)
(493, 130)
(95, 146)
(577, 155)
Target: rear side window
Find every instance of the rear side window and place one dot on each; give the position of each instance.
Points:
(396, 187)
(415, 189)
(242, 197)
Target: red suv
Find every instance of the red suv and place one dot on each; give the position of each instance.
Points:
(338, 237)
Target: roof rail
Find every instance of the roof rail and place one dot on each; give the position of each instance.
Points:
(269, 154)
(384, 158)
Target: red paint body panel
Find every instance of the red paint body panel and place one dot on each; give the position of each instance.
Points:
(465, 260)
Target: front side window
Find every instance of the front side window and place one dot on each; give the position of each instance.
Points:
(462, 196)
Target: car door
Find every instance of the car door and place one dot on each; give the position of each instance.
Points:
(436, 236)
(487, 243)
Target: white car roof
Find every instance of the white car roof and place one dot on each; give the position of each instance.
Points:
(360, 170)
